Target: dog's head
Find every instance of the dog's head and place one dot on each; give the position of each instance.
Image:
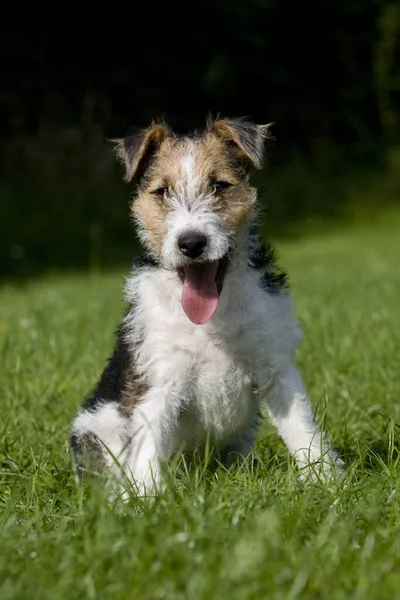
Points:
(193, 199)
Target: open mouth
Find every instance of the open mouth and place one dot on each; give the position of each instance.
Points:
(202, 285)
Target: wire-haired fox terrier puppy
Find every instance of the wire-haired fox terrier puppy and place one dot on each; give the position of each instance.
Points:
(208, 337)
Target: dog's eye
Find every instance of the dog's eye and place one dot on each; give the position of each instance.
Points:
(161, 193)
(220, 186)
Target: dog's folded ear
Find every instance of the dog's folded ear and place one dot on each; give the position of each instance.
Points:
(248, 137)
(137, 150)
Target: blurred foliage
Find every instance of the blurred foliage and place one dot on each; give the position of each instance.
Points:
(326, 73)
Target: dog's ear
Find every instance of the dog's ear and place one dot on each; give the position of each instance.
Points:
(136, 151)
(248, 137)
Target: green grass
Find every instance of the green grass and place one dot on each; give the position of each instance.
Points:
(254, 533)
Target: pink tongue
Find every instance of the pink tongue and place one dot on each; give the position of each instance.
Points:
(200, 294)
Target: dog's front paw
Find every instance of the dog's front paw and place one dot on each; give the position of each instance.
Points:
(326, 468)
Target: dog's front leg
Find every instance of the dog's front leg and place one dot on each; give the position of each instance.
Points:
(288, 406)
(152, 427)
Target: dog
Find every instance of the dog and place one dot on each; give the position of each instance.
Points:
(208, 339)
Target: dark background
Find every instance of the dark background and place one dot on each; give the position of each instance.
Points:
(326, 72)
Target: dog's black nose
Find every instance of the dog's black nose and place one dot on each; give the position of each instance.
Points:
(192, 244)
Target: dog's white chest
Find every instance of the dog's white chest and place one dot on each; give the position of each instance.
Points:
(209, 383)
(217, 392)
(204, 373)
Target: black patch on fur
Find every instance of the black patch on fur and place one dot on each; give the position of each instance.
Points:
(140, 149)
(262, 257)
(87, 448)
(146, 260)
(112, 380)
(133, 142)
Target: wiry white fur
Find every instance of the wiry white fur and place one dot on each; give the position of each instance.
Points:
(197, 216)
(190, 181)
(192, 210)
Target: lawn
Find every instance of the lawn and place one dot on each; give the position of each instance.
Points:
(257, 532)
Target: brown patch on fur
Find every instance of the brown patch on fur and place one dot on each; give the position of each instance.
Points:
(133, 392)
(150, 213)
(217, 162)
(237, 207)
